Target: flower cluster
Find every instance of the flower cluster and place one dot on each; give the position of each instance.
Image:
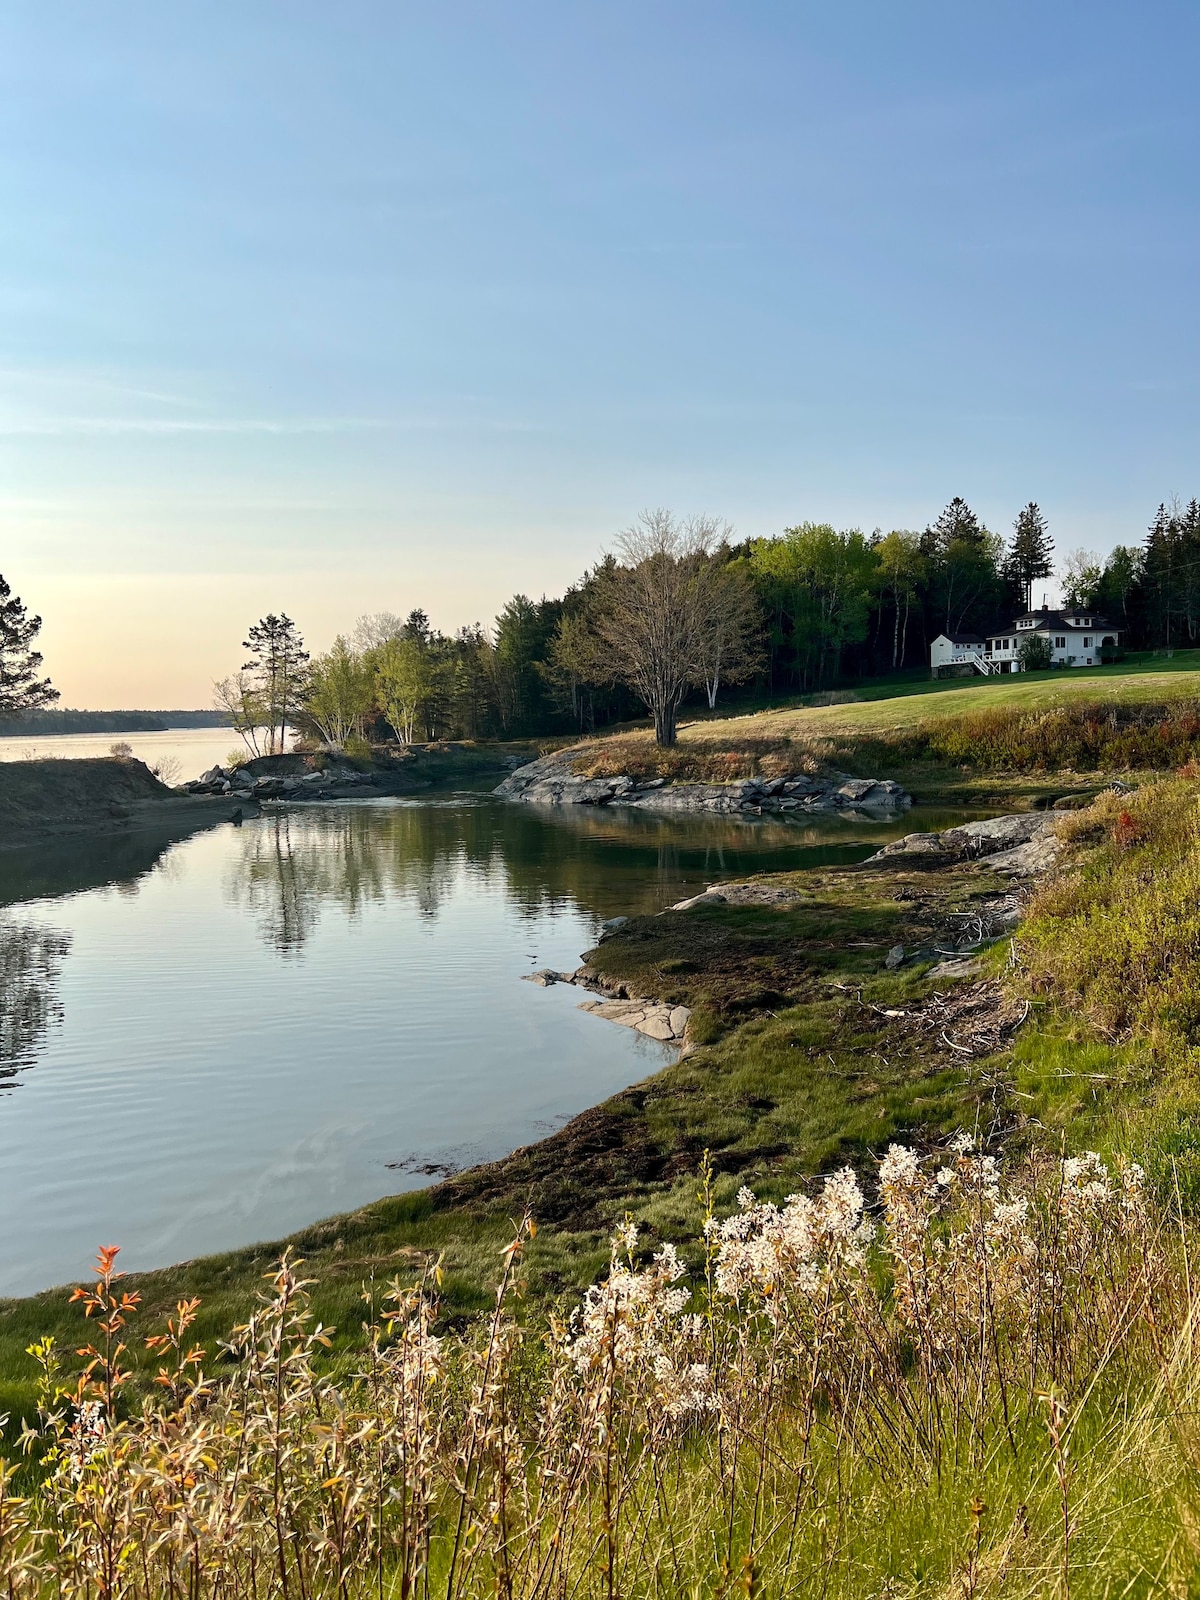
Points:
(770, 1251)
(634, 1325)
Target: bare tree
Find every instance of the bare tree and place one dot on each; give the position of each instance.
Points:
(240, 700)
(375, 628)
(661, 612)
(731, 629)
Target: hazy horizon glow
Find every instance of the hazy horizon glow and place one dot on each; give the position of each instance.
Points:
(342, 310)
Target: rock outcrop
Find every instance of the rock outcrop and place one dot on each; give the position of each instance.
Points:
(1022, 844)
(333, 783)
(552, 781)
(666, 1023)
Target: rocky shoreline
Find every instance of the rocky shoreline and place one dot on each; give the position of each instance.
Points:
(1023, 845)
(332, 783)
(552, 781)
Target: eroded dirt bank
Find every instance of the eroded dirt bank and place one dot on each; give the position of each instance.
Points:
(41, 801)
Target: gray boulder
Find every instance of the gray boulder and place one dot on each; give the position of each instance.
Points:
(710, 897)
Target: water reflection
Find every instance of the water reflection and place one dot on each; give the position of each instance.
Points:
(72, 866)
(274, 1016)
(290, 864)
(31, 958)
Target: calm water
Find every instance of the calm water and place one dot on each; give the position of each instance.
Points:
(219, 1041)
(187, 752)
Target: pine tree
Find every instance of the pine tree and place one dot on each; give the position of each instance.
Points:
(1164, 574)
(279, 666)
(962, 558)
(21, 689)
(956, 525)
(1030, 556)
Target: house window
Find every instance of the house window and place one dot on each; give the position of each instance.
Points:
(1060, 642)
(1087, 644)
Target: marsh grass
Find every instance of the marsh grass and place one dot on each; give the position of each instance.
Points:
(978, 1384)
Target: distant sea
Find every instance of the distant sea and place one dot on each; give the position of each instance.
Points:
(192, 750)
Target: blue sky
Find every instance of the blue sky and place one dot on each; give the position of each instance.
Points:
(343, 308)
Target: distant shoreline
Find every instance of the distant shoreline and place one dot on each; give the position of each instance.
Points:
(44, 724)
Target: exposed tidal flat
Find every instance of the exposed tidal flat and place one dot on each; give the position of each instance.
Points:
(223, 1039)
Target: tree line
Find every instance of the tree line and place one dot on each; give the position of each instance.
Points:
(681, 610)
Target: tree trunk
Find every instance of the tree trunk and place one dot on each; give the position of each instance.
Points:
(664, 727)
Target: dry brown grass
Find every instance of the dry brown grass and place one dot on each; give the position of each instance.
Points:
(989, 1388)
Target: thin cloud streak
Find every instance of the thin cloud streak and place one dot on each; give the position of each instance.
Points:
(68, 426)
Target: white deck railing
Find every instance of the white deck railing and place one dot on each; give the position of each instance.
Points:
(982, 663)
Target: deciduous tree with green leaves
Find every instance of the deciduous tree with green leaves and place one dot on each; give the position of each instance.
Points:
(816, 583)
(340, 693)
(902, 571)
(404, 680)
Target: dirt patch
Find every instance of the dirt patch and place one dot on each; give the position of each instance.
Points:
(573, 1177)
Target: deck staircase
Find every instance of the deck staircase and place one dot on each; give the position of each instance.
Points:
(984, 665)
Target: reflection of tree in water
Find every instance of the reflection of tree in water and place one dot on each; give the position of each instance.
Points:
(293, 863)
(31, 960)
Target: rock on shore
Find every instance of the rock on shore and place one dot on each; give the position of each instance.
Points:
(552, 781)
(334, 783)
(1022, 844)
(668, 1024)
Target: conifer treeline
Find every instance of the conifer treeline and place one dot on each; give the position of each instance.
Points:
(835, 606)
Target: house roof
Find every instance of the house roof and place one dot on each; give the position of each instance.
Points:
(1062, 621)
(961, 638)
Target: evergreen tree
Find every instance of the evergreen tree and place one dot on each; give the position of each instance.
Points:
(1164, 574)
(957, 524)
(278, 666)
(964, 568)
(1030, 556)
(21, 689)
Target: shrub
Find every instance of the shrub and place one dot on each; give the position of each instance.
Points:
(1079, 738)
(357, 752)
(1034, 653)
(980, 1384)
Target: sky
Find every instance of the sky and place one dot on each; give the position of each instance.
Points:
(331, 309)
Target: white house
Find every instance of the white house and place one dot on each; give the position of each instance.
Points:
(1077, 639)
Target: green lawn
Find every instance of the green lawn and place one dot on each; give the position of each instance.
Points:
(882, 708)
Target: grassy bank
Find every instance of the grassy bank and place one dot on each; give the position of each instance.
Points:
(809, 1052)
(1012, 739)
(991, 1396)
